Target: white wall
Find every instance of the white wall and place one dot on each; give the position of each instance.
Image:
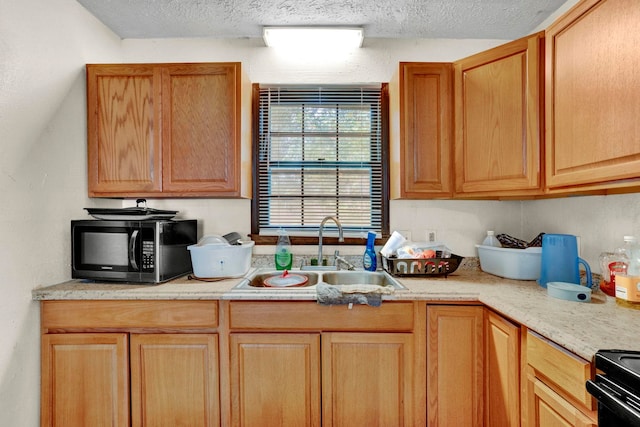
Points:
(44, 45)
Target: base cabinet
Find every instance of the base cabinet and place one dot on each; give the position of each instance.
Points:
(366, 379)
(85, 380)
(302, 364)
(275, 379)
(502, 371)
(152, 368)
(455, 365)
(549, 409)
(174, 380)
(554, 393)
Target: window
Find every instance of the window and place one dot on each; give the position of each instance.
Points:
(320, 151)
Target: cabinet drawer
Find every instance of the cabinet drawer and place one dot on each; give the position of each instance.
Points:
(297, 315)
(565, 370)
(169, 315)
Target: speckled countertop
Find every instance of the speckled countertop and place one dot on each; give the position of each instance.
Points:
(582, 328)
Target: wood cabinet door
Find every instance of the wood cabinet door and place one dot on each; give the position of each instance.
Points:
(502, 371)
(455, 365)
(367, 379)
(592, 102)
(549, 409)
(174, 380)
(201, 129)
(123, 123)
(275, 379)
(426, 122)
(498, 131)
(85, 380)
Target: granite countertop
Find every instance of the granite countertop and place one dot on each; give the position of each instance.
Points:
(582, 328)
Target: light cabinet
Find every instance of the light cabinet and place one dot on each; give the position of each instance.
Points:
(299, 363)
(426, 130)
(85, 380)
(275, 379)
(553, 390)
(592, 103)
(455, 365)
(502, 371)
(121, 363)
(498, 120)
(164, 130)
(367, 379)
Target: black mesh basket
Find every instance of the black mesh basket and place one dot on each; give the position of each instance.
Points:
(421, 267)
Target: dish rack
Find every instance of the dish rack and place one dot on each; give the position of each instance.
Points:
(421, 267)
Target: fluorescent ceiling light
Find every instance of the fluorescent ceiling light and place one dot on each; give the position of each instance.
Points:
(313, 37)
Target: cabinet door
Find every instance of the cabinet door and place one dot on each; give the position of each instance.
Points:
(498, 120)
(548, 409)
(592, 102)
(275, 379)
(85, 380)
(455, 365)
(502, 373)
(367, 379)
(123, 122)
(174, 380)
(201, 129)
(426, 117)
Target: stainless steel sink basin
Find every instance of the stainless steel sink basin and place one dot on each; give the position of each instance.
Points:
(255, 280)
(360, 278)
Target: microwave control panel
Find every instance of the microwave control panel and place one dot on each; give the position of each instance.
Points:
(147, 255)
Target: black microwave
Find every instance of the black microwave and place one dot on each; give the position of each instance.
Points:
(150, 251)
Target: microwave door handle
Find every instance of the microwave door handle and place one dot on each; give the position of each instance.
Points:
(132, 249)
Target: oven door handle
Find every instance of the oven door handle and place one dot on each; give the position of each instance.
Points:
(608, 397)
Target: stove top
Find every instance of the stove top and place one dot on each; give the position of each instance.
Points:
(620, 365)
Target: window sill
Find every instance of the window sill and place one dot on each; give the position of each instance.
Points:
(297, 240)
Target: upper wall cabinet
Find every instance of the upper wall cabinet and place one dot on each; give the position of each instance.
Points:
(593, 98)
(426, 97)
(164, 130)
(498, 99)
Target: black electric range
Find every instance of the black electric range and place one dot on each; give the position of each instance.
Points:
(617, 389)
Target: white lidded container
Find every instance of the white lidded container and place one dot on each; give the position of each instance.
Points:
(214, 257)
(519, 264)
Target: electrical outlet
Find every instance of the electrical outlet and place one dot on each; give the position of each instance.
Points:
(431, 235)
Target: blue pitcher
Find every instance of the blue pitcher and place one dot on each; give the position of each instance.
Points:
(560, 261)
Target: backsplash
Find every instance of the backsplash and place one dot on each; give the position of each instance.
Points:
(266, 261)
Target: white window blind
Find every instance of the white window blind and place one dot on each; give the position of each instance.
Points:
(320, 153)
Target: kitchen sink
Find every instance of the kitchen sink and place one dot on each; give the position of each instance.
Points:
(256, 279)
(360, 278)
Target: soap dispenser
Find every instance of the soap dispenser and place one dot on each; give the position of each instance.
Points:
(369, 257)
(283, 256)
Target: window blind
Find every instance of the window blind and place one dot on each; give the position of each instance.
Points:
(319, 153)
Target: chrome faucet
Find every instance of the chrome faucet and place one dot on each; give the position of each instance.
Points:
(339, 259)
(340, 234)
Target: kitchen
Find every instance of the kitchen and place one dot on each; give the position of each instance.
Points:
(42, 117)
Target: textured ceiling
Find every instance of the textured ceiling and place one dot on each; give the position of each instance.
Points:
(477, 19)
